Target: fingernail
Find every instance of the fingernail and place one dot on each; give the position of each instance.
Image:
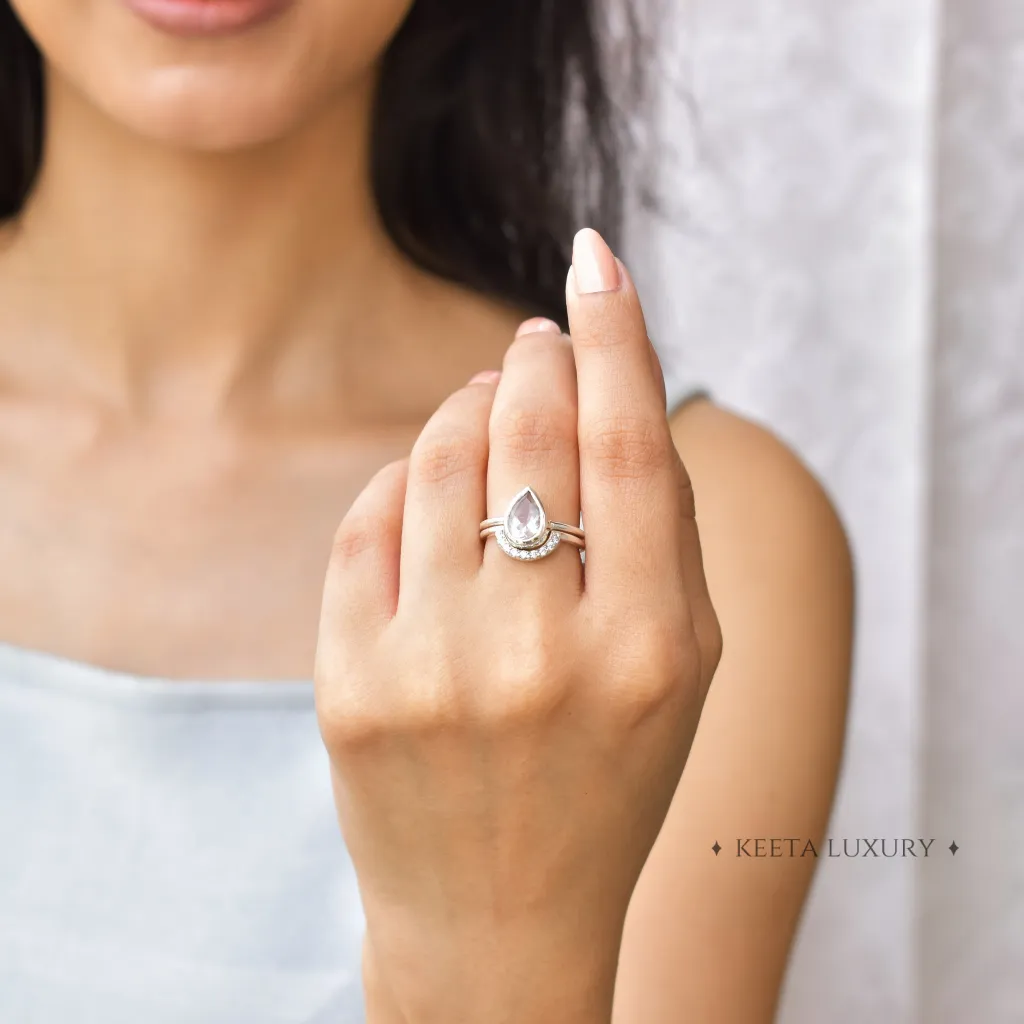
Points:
(536, 324)
(485, 376)
(594, 267)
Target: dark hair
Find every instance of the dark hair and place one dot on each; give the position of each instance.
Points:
(495, 136)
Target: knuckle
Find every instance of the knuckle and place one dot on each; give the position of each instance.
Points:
(625, 447)
(713, 642)
(531, 431)
(372, 706)
(349, 712)
(528, 686)
(657, 664)
(687, 501)
(438, 459)
(429, 675)
(354, 537)
(349, 726)
(359, 531)
(347, 716)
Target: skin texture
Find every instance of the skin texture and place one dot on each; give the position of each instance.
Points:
(163, 460)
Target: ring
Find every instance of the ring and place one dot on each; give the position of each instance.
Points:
(525, 532)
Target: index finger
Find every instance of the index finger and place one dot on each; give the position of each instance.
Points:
(629, 469)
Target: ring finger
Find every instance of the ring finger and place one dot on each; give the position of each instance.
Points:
(533, 443)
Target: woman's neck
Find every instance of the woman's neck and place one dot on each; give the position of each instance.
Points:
(203, 284)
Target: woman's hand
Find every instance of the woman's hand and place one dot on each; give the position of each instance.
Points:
(505, 736)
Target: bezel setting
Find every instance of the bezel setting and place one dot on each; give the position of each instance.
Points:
(543, 534)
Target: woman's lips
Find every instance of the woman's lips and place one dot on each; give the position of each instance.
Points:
(205, 17)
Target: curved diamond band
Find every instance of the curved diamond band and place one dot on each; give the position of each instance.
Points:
(526, 533)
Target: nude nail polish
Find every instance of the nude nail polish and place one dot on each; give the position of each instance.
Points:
(594, 268)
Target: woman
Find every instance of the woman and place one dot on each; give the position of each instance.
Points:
(253, 250)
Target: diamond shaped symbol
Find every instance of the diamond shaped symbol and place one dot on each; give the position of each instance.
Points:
(953, 847)
(716, 848)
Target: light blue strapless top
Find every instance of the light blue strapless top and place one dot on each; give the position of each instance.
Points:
(169, 851)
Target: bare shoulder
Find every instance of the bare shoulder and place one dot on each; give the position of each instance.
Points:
(769, 529)
(709, 932)
(745, 477)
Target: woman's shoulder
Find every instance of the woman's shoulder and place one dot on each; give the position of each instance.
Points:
(751, 485)
(775, 545)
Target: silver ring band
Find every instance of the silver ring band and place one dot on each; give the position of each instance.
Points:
(569, 538)
(575, 531)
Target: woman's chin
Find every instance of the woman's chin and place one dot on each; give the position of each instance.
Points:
(209, 122)
(203, 110)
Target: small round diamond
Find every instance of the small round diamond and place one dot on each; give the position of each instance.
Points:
(527, 555)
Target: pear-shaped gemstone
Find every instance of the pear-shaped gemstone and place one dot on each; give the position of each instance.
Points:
(525, 521)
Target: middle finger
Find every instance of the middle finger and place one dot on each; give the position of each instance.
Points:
(533, 444)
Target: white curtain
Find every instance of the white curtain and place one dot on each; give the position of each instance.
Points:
(841, 255)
